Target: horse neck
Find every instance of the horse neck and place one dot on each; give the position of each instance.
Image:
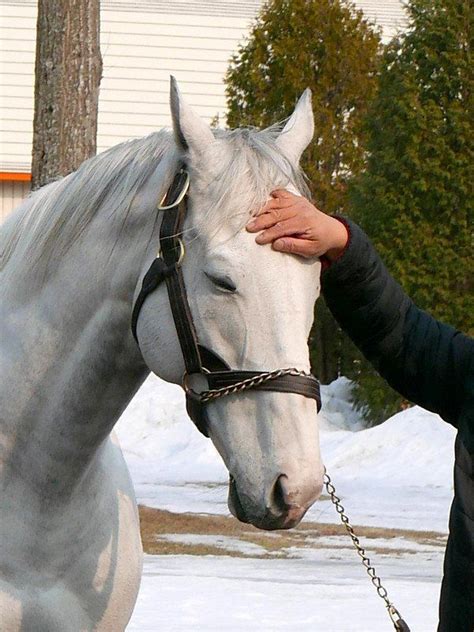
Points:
(69, 357)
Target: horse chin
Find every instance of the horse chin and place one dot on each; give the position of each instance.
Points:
(234, 504)
(267, 521)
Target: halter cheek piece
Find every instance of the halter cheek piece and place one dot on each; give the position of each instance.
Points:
(203, 366)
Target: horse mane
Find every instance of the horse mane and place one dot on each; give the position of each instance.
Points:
(56, 215)
(52, 218)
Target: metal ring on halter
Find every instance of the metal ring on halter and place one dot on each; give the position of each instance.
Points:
(182, 252)
(180, 197)
(395, 617)
(184, 382)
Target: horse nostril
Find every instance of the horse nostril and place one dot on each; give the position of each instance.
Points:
(279, 497)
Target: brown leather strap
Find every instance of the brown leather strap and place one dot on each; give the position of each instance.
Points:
(171, 228)
(165, 268)
(156, 274)
(308, 386)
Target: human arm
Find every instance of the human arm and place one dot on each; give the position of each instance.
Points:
(425, 360)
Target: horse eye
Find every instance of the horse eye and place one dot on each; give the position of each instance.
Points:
(223, 283)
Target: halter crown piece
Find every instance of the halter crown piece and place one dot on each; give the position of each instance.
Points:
(207, 376)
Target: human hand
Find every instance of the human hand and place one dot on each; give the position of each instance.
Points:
(292, 224)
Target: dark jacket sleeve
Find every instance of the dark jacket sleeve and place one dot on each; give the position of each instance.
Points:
(424, 360)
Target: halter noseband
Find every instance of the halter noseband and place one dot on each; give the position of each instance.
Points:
(199, 361)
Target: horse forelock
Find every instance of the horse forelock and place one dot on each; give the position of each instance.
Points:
(242, 176)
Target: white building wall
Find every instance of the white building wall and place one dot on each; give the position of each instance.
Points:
(17, 55)
(11, 194)
(141, 50)
(387, 14)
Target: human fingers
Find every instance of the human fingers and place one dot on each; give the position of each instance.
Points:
(291, 226)
(297, 246)
(281, 199)
(283, 194)
(281, 203)
(269, 218)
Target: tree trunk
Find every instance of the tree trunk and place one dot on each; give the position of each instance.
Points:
(67, 78)
(332, 352)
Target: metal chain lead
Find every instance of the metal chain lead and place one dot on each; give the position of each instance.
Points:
(251, 382)
(393, 613)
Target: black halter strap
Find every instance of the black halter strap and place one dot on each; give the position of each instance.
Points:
(167, 268)
(199, 360)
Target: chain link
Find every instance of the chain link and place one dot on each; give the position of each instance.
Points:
(251, 382)
(374, 578)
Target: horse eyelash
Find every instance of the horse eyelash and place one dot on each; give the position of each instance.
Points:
(222, 283)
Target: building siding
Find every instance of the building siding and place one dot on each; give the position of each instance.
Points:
(11, 194)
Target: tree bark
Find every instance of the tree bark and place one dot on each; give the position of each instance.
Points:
(67, 79)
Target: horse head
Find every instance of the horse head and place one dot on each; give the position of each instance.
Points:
(252, 306)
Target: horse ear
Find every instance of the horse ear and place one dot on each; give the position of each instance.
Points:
(299, 129)
(191, 132)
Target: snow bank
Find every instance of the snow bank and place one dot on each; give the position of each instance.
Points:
(397, 475)
(337, 412)
(412, 447)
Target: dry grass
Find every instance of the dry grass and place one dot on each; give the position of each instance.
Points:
(157, 523)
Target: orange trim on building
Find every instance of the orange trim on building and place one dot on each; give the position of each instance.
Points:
(14, 176)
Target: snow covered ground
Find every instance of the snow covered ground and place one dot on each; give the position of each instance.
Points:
(396, 475)
(322, 594)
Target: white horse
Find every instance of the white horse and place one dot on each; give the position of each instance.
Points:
(72, 258)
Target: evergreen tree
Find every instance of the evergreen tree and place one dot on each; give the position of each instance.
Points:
(415, 198)
(328, 46)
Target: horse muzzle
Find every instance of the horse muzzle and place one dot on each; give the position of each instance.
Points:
(284, 507)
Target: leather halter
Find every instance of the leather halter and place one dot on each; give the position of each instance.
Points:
(199, 361)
